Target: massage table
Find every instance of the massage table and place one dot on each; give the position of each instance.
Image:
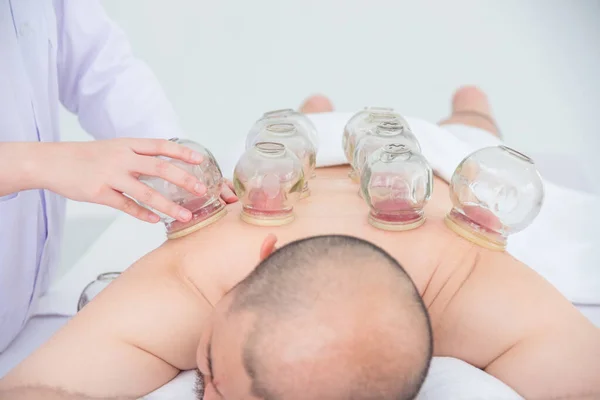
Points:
(126, 239)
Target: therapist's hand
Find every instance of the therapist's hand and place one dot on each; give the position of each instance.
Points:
(101, 171)
(228, 193)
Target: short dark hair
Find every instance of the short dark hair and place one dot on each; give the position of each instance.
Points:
(277, 287)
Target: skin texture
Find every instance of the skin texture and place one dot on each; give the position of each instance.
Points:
(486, 307)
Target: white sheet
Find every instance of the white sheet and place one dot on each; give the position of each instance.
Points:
(448, 379)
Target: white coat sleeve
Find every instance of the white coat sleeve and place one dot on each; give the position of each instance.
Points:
(112, 93)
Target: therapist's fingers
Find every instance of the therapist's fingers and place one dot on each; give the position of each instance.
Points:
(163, 169)
(123, 203)
(161, 147)
(151, 198)
(227, 192)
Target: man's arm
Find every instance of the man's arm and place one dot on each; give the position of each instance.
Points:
(36, 393)
(561, 363)
(509, 321)
(133, 338)
(113, 93)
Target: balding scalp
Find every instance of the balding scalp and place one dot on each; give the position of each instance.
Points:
(354, 280)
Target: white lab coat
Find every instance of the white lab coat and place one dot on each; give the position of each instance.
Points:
(61, 52)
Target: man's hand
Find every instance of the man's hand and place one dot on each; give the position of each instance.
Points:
(103, 171)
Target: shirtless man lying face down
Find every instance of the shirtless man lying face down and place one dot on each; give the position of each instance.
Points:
(323, 317)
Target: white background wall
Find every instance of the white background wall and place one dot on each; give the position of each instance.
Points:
(223, 63)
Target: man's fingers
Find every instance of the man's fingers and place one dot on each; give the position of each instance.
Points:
(268, 246)
(151, 198)
(161, 147)
(227, 192)
(121, 202)
(164, 169)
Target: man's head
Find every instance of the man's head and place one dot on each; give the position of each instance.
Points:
(327, 317)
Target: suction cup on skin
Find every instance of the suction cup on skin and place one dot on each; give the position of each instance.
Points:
(396, 183)
(205, 209)
(268, 180)
(495, 192)
(95, 287)
(383, 134)
(296, 141)
(361, 124)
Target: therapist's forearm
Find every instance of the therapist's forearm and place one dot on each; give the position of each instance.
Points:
(20, 164)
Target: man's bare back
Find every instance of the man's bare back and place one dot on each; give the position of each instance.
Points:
(486, 307)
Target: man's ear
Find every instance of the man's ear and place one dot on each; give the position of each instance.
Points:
(268, 246)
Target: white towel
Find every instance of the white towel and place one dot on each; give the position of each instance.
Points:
(562, 244)
(448, 379)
